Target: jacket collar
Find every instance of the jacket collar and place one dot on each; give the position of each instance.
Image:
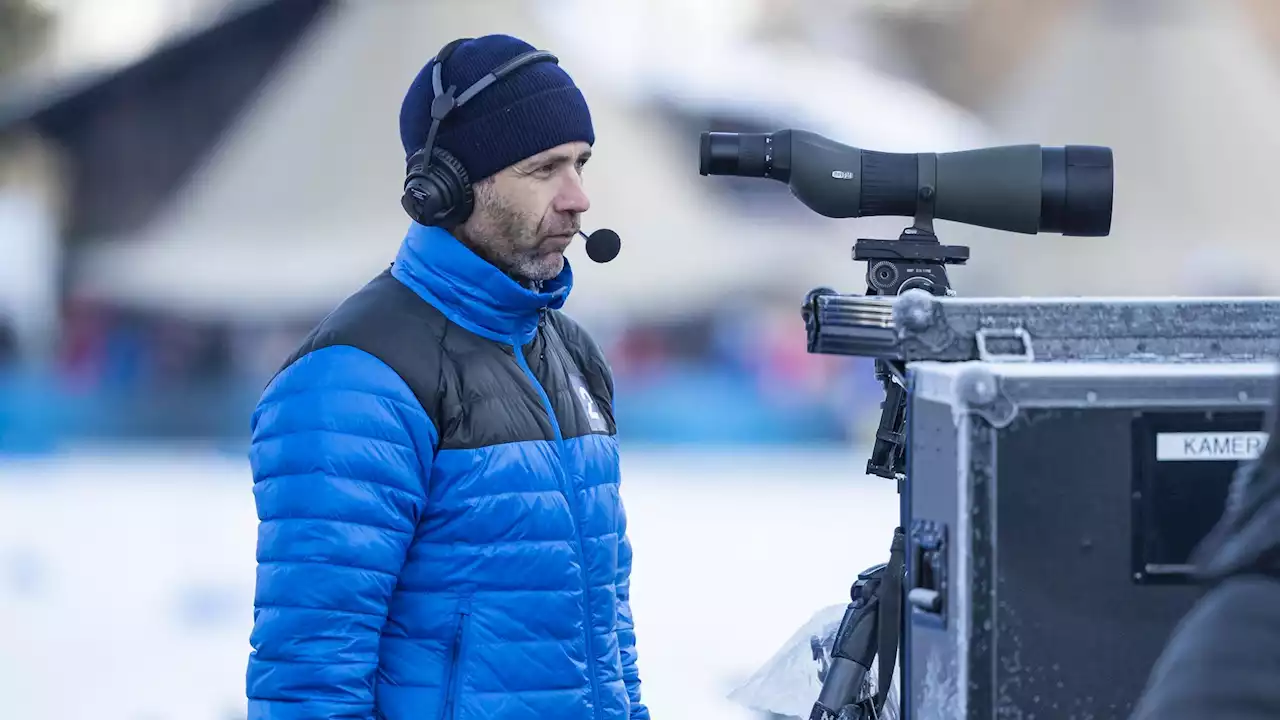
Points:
(472, 292)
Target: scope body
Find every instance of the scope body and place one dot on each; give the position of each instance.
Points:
(1020, 188)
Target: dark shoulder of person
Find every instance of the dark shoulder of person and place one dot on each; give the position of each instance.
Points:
(1223, 660)
(1246, 539)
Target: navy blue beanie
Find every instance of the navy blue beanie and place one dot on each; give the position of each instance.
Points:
(531, 110)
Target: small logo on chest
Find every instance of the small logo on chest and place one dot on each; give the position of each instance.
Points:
(595, 418)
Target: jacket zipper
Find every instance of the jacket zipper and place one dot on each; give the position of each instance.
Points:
(577, 524)
(455, 661)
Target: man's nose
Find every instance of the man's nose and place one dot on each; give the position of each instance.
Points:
(572, 197)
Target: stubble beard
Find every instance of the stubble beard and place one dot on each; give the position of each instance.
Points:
(511, 242)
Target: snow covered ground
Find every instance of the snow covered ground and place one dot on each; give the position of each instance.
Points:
(126, 582)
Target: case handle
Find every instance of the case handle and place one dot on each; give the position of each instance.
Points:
(985, 335)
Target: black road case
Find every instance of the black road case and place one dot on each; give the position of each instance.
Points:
(1052, 510)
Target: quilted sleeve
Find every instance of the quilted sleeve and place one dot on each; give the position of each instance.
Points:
(626, 628)
(340, 452)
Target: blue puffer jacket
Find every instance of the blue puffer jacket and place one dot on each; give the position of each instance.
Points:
(436, 475)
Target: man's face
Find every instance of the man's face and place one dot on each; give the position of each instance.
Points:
(526, 215)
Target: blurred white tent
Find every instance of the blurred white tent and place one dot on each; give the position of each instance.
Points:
(300, 205)
(704, 58)
(1187, 95)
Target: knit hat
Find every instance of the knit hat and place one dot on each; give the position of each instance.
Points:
(531, 110)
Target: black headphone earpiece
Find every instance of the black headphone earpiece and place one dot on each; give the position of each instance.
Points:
(437, 190)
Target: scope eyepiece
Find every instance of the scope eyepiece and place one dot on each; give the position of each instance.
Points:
(737, 154)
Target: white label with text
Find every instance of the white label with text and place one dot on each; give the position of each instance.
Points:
(1209, 445)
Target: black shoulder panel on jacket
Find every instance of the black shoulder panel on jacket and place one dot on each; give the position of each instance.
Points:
(474, 390)
(390, 322)
(586, 353)
(579, 379)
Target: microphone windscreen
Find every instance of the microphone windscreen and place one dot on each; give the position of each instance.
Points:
(603, 245)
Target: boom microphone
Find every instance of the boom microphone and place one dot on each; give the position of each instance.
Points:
(602, 245)
(1020, 188)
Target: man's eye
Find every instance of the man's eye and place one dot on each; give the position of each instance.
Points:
(547, 169)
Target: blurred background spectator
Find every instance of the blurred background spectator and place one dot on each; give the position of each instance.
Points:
(186, 186)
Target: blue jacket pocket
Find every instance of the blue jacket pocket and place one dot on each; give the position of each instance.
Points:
(457, 660)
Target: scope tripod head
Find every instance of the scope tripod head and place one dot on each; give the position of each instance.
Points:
(916, 260)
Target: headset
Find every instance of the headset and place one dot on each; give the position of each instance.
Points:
(437, 190)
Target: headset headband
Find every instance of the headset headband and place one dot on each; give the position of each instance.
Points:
(445, 102)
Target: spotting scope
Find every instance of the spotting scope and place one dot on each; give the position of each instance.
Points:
(1020, 188)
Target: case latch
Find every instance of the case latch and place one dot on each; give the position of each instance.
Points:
(927, 593)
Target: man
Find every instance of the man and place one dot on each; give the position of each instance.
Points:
(1223, 661)
(435, 469)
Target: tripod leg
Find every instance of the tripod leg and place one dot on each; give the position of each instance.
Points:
(887, 453)
(853, 651)
(891, 605)
(870, 629)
